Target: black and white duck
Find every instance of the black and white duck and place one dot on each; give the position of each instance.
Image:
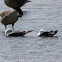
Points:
(9, 32)
(47, 33)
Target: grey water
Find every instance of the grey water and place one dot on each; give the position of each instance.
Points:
(38, 14)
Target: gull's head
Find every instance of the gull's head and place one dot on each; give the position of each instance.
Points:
(7, 31)
(40, 32)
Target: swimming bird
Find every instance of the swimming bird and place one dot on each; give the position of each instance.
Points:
(16, 4)
(8, 32)
(47, 33)
(9, 17)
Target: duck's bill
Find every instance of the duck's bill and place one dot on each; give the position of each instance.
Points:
(28, 1)
(30, 31)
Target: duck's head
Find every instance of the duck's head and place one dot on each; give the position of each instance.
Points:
(7, 32)
(40, 32)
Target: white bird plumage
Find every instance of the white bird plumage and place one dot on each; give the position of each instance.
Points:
(47, 33)
(40, 32)
(7, 32)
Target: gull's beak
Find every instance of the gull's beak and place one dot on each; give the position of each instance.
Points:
(30, 31)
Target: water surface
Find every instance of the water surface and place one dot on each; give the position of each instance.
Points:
(39, 14)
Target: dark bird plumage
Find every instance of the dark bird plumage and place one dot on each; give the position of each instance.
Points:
(9, 17)
(47, 33)
(8, 32)
(16, 4)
